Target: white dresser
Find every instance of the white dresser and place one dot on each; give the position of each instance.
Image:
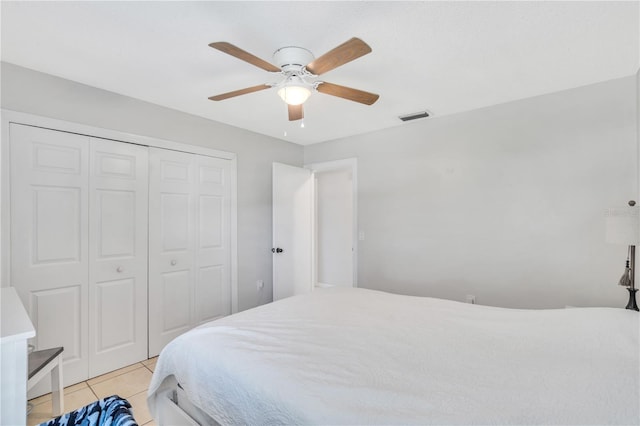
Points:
(16, 329)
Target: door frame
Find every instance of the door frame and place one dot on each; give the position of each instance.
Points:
(293, 271)
(350, 164)
(9, 116)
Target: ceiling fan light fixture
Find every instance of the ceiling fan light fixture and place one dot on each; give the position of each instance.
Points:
(294, 90)
(294, 93)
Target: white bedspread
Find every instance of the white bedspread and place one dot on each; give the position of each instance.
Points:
(354, 356)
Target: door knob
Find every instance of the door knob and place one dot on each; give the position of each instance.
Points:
(173, 262)
(119, 269)
(276, 250)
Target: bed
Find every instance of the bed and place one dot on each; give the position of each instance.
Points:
(343, 356)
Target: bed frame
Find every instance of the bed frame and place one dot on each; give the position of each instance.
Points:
(174, 408)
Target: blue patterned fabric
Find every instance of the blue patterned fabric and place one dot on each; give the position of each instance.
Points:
(110, 411)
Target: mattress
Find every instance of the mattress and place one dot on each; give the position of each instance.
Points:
(354, 356)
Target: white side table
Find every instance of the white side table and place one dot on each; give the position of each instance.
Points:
(15, 328)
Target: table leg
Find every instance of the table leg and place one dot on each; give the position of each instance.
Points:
(57, 392)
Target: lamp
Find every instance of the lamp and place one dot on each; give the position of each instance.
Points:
(294, 91)
(623, 227)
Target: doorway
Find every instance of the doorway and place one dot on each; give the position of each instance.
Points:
(335, 223)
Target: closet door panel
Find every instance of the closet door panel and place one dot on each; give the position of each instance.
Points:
(212, 296)
(172, 222)
(46, 305)
(175, 218)
(115, 313)
(116, 234)
(176, 296)
(213, 281)
(56, 219)
(118, 255)
(49, 240)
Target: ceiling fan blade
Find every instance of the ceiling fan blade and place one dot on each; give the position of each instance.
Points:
(347, 93)
(346, 52)
(235, 93)
(296, 112)
(232, 50)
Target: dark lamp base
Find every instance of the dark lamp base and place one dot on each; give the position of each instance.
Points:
(632, 299)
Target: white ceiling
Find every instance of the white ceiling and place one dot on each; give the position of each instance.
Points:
(443, 57)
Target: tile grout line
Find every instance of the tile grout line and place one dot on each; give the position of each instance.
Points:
(92, 391)
(113, 377)
(66, 394)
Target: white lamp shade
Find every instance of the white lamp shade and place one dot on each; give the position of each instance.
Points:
(623, 226)
(294, 95)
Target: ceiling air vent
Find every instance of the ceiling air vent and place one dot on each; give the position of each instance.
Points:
(414, 116)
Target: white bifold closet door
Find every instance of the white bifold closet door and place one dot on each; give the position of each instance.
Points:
(118, 201)
(50, 240)
(189, 243)
(79, 246)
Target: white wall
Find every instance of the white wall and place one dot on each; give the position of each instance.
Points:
(334, 194)
(505, 203)
(41, 94)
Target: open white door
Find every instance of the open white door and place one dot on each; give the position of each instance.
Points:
(292, 230)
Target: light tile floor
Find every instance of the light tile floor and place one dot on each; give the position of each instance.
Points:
(129, 382)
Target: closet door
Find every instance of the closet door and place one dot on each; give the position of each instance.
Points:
(117, 255)
(49, 239)
(189, 243)
(213, 239)
(171, 245)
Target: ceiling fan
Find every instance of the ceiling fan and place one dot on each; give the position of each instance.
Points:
(300, 70)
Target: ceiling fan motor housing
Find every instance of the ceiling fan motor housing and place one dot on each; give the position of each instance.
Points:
(292, 59)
